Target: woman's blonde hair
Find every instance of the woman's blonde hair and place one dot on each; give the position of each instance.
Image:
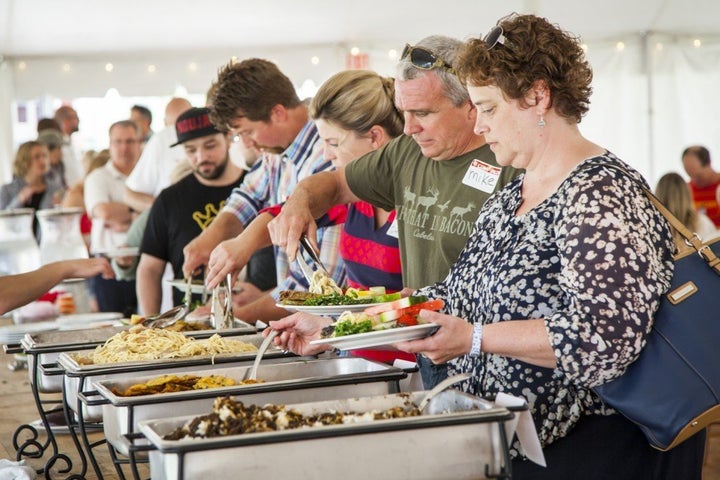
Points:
(21, 164)
(355, 100)
(98, 160)
(674, 193)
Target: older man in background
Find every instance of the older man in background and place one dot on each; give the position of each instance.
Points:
(111, 216)
(142, 116)
(69, 122)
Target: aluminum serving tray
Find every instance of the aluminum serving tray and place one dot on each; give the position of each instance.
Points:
(78, 378)
(303, 381)
(458, 437)
(44, 348)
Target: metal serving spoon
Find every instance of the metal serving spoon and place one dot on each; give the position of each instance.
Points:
(442, 386)
(261, 351)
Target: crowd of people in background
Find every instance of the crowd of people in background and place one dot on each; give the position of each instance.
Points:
(464, 178)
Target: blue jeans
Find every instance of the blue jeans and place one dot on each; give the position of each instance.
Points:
(431, 374)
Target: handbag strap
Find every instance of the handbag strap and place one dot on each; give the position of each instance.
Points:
(691, 238)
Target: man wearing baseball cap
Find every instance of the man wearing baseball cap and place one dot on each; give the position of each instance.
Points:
(183, 210)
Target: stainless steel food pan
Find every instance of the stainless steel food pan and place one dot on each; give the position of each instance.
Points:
(44, 348)
(79, 378)
(302, 381)
(459, 437)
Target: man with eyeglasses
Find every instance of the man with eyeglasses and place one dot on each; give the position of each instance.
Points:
(111, 216)
(437, 175)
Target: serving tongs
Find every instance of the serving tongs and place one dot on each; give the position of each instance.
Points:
(221, 308)
(175, 314)
(314, 256)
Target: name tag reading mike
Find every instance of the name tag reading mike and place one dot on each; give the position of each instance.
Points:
(482, 176)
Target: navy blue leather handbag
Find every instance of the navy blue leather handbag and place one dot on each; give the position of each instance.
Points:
(672, 391)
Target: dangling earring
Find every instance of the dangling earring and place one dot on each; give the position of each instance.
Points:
(541, 122)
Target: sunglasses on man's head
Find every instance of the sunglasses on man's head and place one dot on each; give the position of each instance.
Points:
(495, 36)
(424, 59)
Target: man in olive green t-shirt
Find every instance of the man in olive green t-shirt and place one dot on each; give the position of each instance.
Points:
(438, 175)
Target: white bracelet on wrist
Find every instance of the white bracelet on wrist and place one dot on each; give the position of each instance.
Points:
(476, 347)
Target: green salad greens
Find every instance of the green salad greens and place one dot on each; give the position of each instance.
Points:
(348, 327)
(337, 299)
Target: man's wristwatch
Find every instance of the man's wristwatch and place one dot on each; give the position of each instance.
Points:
(476, 340)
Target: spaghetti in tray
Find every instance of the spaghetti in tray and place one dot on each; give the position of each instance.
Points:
(140, 343)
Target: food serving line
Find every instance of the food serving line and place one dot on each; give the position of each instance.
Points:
(46, 378)
(478, 430)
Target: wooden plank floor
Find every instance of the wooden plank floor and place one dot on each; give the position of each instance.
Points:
(18, 407)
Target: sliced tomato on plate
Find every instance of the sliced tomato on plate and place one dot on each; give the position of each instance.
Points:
(407, 320)
(413, 311)
(396, 305)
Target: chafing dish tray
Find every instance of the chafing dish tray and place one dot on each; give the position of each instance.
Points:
(458, 437)
(294, 382)
(78, 377)
(44, 348)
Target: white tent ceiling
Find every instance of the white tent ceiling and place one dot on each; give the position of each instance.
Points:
(55, 50)
(90, 27)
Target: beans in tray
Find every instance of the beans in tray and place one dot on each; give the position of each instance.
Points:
(230, 417)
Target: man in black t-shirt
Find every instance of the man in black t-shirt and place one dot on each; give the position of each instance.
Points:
(182, 211)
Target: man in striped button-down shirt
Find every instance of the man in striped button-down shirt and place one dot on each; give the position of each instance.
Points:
(259, 104)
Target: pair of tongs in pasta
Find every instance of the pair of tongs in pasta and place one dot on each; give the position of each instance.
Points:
(221, 311)
(319, 280)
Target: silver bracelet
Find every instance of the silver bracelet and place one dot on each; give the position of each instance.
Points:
(476, 347)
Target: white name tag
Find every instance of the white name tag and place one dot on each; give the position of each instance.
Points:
(482, 176)
(392, 231)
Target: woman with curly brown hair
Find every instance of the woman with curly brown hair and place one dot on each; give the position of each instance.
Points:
(557, 286)
(556, 291)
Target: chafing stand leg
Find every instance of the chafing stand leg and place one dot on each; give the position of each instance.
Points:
(31, 447)
(72, 427)
(83, 432)
(505, 472)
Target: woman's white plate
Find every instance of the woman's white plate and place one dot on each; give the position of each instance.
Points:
(379, 337)
(181, 285)
(122, 252)
(332, 310)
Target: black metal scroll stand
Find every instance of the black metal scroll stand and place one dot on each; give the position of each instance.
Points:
(79, 427)
(26, 439)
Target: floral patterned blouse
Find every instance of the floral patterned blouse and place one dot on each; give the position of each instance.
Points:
(592, 260)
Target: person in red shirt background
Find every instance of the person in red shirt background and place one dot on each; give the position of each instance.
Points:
(704, 181)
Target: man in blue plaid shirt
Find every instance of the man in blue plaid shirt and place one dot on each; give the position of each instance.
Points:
(258, 103)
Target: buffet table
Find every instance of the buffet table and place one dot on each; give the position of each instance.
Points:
(18, 407)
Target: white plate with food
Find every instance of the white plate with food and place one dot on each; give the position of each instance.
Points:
(331, 310)
(293, 301)
(379, 338)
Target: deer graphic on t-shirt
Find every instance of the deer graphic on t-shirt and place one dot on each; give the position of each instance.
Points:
(429, 200)
(409, 196)
(443, 206)
(461, 211)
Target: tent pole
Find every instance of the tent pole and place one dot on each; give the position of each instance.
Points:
(645, 37)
